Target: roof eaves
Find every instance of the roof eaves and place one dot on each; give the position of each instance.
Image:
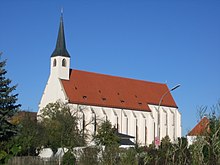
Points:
(108, 106)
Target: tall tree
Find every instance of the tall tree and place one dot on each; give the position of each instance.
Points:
(61, 126)
(206, 148)
(106, 136)
(8, 108)
(30, 135)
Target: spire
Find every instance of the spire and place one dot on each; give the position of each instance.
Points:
(60, 49)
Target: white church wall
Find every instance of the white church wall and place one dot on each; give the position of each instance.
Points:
(100, 113)
(119, 118)
(128, 119)
(52, 91)
(150, 128)
(112, 116)
(91, 122)
(162, 122)
(142, 125)
(154, 113)
(131, 123)
(179, 125)
(191, 139)
(139, 124)
(124, 125)
(59, 67)
(173, 127)
(170, 126)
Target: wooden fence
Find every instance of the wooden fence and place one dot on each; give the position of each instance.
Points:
(33, 160)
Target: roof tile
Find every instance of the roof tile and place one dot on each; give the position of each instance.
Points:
(201, 128)
(116, 92)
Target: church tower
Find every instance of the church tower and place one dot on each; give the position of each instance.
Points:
(60, 58)
(59, 70)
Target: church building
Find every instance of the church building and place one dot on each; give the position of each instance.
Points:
(140, 109)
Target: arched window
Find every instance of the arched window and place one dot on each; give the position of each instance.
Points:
(136, 130)
(95, 124)
(54, 62)
(117, 126)
(83, 122)
(126, 125)
(145, 135)
(64, 62)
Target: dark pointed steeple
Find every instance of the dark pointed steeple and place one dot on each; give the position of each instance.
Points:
(60, 49)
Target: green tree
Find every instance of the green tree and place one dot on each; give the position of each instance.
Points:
(181, 154)
(196, 151)
(61, 127)
(128, 157)
(106, 136)
(211, 148)
(8, 108)
(165, 151)
(30, 135)
(161, 155)
(89, 155)
(69, 158)
(206, 148)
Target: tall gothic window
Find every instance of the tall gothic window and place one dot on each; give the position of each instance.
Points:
(126, 125)
(94, 121)
(136, 130)
(166, 118)
(54, 62)
(154, 131)
(64, 62)
(117, 124)
(145, 135)
(83, 122)
(174, 126)
(94, 118)
(166, 122)
(173, 123)
(173, 119)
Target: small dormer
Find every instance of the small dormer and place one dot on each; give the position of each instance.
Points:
(60, 58)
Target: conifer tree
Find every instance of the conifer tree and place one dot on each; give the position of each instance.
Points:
(8, 106)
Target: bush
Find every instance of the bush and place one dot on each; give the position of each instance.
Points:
(89, 156)
(69, 158)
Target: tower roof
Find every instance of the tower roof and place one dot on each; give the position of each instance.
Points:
(60, 49)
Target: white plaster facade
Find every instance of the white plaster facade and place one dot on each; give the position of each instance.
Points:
(54, 90)
(143, 125)
(191, 139)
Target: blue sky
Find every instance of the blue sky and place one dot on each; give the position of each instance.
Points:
(170, 41)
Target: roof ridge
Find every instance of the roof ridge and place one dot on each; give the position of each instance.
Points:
(200, 127)
(102, 74)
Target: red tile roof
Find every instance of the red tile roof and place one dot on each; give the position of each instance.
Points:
(116, 92)
(201, 128)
